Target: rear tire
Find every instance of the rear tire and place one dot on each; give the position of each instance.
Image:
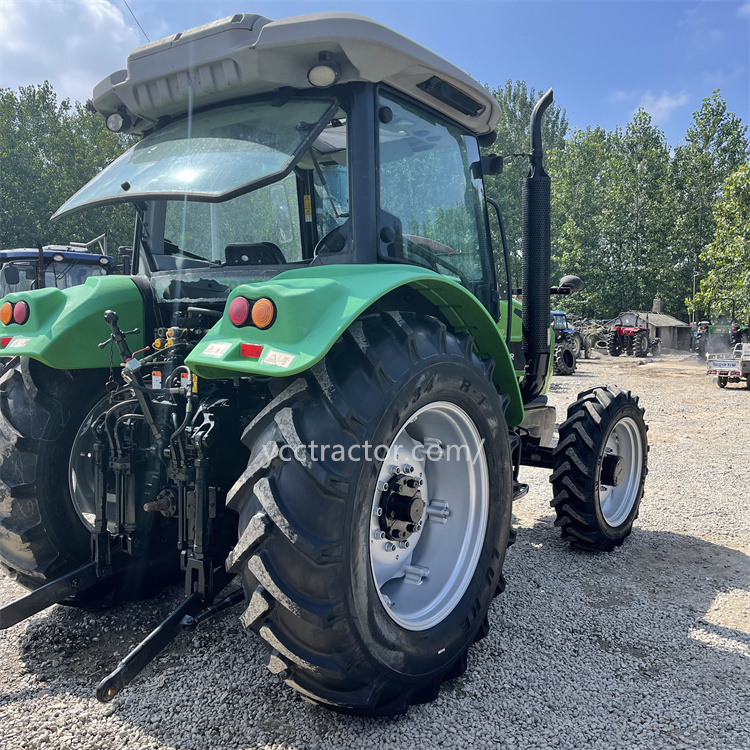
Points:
(576, 344)
(723, 382)
(595, 496)
(311, 550)
(640, 344)
(41, 410)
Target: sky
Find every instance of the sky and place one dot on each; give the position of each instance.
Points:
(603, 58)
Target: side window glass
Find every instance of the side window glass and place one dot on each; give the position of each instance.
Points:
(426, 185)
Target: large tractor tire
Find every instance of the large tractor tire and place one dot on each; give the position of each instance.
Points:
(41, 535)
(640, 344)
(368, 580)
(576, 344)
(47, 480)
(563, 360)
(600, 468)
(613, 344)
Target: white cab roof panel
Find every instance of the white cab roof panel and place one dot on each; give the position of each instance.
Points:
(244, 55)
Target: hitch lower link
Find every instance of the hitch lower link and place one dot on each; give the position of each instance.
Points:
(112, 554)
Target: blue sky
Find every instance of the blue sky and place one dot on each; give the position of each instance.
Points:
(604, 58)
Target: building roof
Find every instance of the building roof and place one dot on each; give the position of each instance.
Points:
(660, 320)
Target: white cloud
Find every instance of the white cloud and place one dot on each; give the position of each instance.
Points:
(661, 107)
(744, 10)
(71, 43)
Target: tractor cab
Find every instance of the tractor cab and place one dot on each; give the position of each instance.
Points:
(56, 266)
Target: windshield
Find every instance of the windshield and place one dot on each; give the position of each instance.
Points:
(253, 142)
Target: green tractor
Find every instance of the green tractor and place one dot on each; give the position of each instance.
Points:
(313, 380)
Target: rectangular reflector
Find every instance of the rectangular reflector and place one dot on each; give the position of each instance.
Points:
(251, 350)
(5, 341)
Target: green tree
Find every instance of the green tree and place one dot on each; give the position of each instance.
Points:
(728, 256)
(715, 146)
(578, 194)
(516, 102)
(48, 150)
(636, 215)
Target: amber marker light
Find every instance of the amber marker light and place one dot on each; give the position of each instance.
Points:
(6, 313)
(263, 313)
(21, 312)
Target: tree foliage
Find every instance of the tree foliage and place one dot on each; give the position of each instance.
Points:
(48, 150)
(634, 218)
(728, 256)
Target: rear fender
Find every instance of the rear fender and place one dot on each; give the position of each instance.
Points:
(65, 325)
(315, 305)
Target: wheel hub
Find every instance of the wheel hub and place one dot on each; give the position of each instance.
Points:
(613, 470)
(403, 508)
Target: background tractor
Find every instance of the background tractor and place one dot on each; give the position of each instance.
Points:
(313, 380)
(59, 266)
(570, 344)
(629, 334)
(720, 330)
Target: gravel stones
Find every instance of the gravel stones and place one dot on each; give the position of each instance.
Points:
(647, 646)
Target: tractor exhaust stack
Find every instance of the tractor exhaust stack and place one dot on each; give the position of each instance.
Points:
(535, 273)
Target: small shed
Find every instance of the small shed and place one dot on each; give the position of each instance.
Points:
(673, 333)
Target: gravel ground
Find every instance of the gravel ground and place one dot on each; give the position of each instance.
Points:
(645, 647)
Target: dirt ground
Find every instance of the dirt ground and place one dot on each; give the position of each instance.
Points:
(645, 647)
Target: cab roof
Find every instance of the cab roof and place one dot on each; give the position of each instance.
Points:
(247, 54)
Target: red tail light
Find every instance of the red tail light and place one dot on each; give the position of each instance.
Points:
(239, 311)
(21, 312)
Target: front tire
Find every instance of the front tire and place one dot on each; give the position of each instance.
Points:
(367, 596)
(600, 468)
(613, 344)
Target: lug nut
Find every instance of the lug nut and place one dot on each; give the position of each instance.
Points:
(383, 486)
(390, 546)
(403, 545)
(378, 534)
(396, 470)
(408, 469)
(377, 512)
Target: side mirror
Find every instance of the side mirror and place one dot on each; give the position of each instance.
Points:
(568, 285)
(12, 277)
(487, 165)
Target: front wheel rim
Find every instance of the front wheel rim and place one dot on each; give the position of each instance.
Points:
(617, 502)
(421, 578)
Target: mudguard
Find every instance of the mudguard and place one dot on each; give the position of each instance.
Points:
(315, 305)
(65, 325)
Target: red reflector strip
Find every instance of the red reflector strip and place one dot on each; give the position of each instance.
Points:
(251, 350)
(5, 341)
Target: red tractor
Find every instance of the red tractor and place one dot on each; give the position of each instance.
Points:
(629, 333)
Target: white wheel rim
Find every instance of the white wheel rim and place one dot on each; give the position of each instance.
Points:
(420, 585)
(616, 503)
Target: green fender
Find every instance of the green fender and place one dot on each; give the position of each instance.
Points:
(65, 325)
(316, 304)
